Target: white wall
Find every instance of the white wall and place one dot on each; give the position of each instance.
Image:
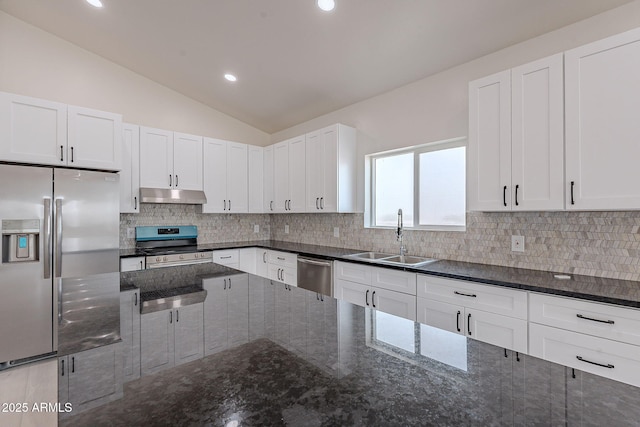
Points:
(39, 64)
(436, 108)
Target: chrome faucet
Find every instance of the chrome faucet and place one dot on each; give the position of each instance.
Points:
(399, 233)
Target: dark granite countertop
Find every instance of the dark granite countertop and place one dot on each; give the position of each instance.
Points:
(613, 291)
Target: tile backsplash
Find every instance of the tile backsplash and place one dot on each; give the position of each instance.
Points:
(602, 244)
(212, 228)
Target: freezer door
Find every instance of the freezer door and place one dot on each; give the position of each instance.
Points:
(86, 259)
(26, 291)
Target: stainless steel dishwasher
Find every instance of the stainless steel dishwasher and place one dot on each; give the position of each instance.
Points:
(315, 275)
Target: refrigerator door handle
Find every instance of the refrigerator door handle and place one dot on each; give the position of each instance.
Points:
(47, 238)
(58, 238)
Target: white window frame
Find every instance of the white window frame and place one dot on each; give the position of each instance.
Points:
(370, 180)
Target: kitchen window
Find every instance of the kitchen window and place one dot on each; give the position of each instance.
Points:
(427, 182)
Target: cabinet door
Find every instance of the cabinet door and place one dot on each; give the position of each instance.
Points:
(130, 173)
(256, 179)
(187, 161)
(498, 330)
(355, 293)
(330, 159)
(441, 315)
(32, 130)
(94, 139)
(156, 341)
(215, 315)
(396, 303)
(316, 347)
(262, 263)
(130, 333)
(257, 306)
(63, 379)
(489, 156)
(238, 306)
(93, 374)
(602, 98)
(268, 195)
(156, 158)
(215, 175)
(237, 178)
(189, 335)
(314, 153)
(393, 280)
(297, 175)
(537, 148)
(298, 327)
(132, 264)
(282, 313)
(281, 177)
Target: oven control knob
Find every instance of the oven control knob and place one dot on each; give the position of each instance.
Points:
(181, 257)
(164, 258)
(158, 259)
(201, 255)
(196, 255)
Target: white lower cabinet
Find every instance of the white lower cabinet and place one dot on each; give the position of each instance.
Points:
(491, 314)
(396, 303)
(171, 337)
(282, 267)
(607, 358)
(132, 264)
(228, 257)
(130, 334)
(226, 312)
(90, 378)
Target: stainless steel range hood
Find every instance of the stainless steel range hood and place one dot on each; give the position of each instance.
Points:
(165, 195)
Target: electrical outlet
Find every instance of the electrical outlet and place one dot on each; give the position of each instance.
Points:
(131, 233)
(336, 231)
(286, 229)
(256, 228)
(517, 243)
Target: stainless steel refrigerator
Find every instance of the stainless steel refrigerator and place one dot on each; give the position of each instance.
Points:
(59, 269)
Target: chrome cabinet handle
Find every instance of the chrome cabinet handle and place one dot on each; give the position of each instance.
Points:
(504, 195)
(465, 295)
(58, 238)
(176, 181)
(62, 363)
(171, 316)
(608, 365)
(271, 205)
(225, 284)
(177, 316)
(62, 156)
(573, 183)
(458, 322)
(580, 316)
(321, 202)
(517, 186)
(317, 201)
(136, 302)
(71, 154)
(366, 298)
(225, 257)
(373, 299)
(264, 257)
(225, 204)
(135, 202)
(170, 181)
(73, 364)
(229, 283)
(280, 258)
(47, 238)
(469, 323)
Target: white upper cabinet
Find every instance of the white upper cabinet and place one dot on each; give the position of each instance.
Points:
(289, 175)
(187, 161)
(331, 169)
(537, 129)
(255, 161)
(267, 173)
(94, 139)
(516, 153)
(170, 160)
(602, 94)
(130, 173)
(156, 158)
(225, 177)
(43, 132)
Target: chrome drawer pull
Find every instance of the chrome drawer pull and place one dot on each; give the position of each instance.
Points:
(225, 257)
(580, 316)
(464, 295)
(608, 365)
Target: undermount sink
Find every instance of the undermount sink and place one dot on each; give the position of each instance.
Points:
(383, 258)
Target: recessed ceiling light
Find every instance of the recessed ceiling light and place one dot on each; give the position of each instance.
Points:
(230, 77)
(95, 3)
(326, 5)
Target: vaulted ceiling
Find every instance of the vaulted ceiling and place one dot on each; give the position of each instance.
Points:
(293, 61)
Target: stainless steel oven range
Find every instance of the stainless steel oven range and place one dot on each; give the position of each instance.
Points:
(168, 246)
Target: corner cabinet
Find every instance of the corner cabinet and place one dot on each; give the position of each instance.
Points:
(130, 173)
(602, 103)
(225, 176)
(516, 135)
(90, 378)
(43, 132)
(289, 175)
(170, 160)
(331, 169)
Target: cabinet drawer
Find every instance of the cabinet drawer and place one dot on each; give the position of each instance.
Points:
(492, 299)
(394, 280)
(132, 264)
(396, 303)
(226, 257)
(354, 293)
(284, 259)
(357, 273)
(601, 320)
(496, 329)
(599, 356)
(440, 315)
(288, 275)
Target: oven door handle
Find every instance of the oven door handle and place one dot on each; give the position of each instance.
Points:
(314, 262)
(173, 264)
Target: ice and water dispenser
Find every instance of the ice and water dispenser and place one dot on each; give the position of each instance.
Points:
(20, 239)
